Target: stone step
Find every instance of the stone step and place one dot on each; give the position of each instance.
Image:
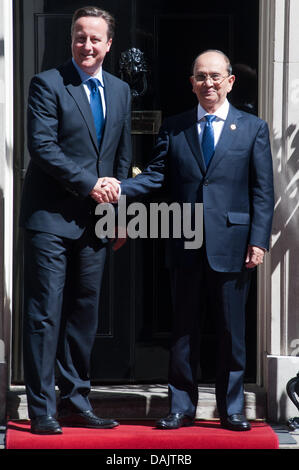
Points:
(144, 401)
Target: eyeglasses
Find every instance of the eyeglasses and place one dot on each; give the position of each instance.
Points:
(216, 78)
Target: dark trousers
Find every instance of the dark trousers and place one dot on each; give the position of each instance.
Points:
(228, 294)
(62, 281)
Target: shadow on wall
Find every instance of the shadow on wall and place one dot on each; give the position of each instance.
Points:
(285, 248)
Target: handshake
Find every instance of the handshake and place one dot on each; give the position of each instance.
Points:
(107, 189)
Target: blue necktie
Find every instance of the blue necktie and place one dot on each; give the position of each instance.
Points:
(96, 106)
(207, 143)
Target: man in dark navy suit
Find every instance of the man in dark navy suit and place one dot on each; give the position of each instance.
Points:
(221, 157)
(80, 146)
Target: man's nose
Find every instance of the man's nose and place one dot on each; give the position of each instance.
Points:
(88, 44)
(208, 81)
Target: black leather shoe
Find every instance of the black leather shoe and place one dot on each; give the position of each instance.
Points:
(236, 422)
(85, 419)
(45, 425)
(174, 421)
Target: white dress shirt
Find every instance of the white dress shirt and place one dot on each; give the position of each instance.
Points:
(85, 77)
(221, 115)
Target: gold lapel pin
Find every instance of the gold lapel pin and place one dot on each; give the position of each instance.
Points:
(233, 127)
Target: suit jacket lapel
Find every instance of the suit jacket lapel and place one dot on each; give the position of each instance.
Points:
(228, 134)
(191, 133)
(75, 88)
(109, 96)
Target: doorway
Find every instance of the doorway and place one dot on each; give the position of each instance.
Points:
(135, 307)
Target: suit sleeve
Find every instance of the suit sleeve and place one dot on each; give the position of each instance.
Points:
(262, 190)
(153, 175)
(43, 140)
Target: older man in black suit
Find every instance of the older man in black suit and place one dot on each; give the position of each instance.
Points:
(219, 156)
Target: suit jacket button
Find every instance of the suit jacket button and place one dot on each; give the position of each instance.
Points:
(206, 182)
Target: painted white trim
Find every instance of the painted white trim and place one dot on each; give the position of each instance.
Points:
(6, 200)
(279, 277)
(265, 92)
(8, 169)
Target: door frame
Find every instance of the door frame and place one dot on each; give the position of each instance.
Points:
(6, 197)
(11, 162)
(265, 111)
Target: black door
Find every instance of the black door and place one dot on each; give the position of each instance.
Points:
(135, 308)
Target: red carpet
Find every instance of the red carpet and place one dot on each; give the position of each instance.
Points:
(143, 435)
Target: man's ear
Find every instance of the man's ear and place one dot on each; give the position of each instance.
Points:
(231, 81)
(109, 43)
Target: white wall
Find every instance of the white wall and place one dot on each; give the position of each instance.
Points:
(6, 193)
(279, 278)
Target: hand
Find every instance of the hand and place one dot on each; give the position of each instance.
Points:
(255, 256)
(105, 190)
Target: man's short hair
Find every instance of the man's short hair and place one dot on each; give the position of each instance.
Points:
(97, 12)
(229, 66)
